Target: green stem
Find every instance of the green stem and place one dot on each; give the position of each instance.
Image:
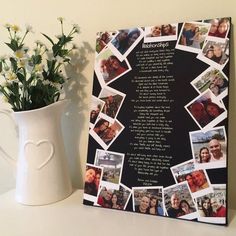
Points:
(9, 33)
(62, 28)
(24, 37)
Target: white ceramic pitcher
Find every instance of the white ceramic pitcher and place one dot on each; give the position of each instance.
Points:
(42, 175)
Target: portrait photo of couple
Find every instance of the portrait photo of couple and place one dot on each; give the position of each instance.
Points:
(126, 39)
(105, 132)
(219, 27)
(209, 148)
(206, 110)
(212, 79)
(192, 36)
(114, 198)
(197, 179)
(179, 202)
(158, 33)
(95, 109)
(212, 207)
(103, 38)
(148, 200)
(108, 67)
(215, 53)
(113, 100)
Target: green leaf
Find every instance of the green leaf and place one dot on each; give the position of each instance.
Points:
(13, 64)
(21, 77)
(14, 45)
(10, 46)
(30, 80)
(56, 49)
(63, 40)
(0, 66)
(48, 38)
(58, 79)
(36, 59)
(62, 52)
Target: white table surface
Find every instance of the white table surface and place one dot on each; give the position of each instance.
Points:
(71, 217)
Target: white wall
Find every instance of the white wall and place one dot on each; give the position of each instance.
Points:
(94, 16)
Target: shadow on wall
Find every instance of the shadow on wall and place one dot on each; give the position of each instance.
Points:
(232, 130)
(74, 119)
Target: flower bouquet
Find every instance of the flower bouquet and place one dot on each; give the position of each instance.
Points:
(31, 81)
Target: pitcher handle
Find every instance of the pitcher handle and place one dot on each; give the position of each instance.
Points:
(6, 156)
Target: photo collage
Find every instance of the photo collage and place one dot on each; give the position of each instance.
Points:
(193, 196)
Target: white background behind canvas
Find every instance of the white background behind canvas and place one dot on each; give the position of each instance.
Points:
(94, 16)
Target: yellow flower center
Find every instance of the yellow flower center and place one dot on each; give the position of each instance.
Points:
(38, 67)
(19, 53)
(11, 76)
(21, 63)
(15, 28)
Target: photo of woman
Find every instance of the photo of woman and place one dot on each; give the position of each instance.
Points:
(204, 155)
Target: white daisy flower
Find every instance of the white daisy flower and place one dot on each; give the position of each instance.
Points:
(76, 28)
(29, 28)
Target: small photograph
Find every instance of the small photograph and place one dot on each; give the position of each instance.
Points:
(105, 132)
(209, 148)
(197, 180)
(215, 53)
(148, 200)
(95, 109)
(114, 199)
(113, 100)
(219, 28)
(125, 41)
(192, 36)
(212, 79)
(212, 207)
(103, 38)
(109, 68)
(112, 163)
(92, 182)
(206, 110)
(160, 33)
(179, 202)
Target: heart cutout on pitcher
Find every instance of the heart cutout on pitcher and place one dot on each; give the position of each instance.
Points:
(39, 153)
